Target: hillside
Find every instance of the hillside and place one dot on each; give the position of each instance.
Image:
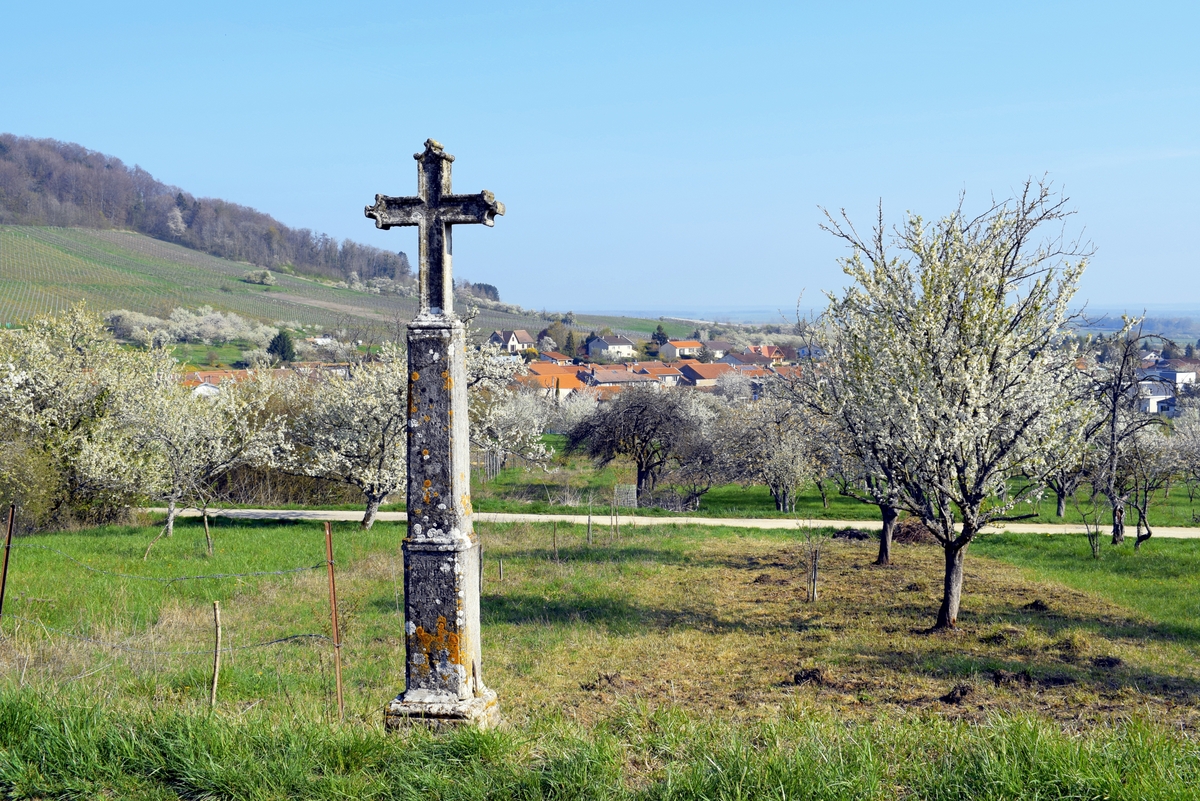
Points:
(46, 270)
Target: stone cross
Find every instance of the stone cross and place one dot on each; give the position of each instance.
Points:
(442, 556)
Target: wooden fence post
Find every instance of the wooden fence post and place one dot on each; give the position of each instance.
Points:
(337, 640)
(212, 696)
(12, 516)
(589, 528)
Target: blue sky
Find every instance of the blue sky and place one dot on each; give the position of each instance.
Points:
(657, 156)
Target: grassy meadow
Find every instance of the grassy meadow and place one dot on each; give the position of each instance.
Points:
(671, 662)
(572, 483)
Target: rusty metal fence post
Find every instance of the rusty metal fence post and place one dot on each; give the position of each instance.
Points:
(12, 516)
(337, 640)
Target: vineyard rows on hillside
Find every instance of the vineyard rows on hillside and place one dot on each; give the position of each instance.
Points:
(45, 270)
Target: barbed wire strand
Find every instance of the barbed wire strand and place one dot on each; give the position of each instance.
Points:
(122, 647)
(161, 580)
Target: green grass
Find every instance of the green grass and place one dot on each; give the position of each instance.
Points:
(52, 749)
(208, 356)
(698, 631)
(1160, 580)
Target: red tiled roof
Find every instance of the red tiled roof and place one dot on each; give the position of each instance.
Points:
(705, 371)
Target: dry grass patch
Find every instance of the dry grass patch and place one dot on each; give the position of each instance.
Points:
(720, 625)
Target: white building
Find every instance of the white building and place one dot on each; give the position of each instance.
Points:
(614, 347)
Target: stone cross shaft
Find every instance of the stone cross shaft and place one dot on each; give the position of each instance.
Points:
(442, 555)
(434, 210)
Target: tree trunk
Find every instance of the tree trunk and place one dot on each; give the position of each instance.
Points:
(171, 512)
(207, 532)
(1142, 519)
(645, 485)
(951, 586)
(824, 494)
(368, 520)
(1061, 511)
(885, 536)
(1118, 526)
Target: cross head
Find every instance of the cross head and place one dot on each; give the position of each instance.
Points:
(434, 210)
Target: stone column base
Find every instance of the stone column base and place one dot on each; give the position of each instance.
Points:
(437, 712)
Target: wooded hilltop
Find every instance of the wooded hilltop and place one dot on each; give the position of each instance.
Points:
(52, 183)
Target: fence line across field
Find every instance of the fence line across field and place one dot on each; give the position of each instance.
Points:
(122, 647)
(217, 648)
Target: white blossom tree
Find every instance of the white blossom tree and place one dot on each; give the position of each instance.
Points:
(505, 419)
(954, 343)
(349, 429)
(59, 382)
(173, 444)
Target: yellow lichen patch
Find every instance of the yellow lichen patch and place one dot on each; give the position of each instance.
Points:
(425, 452)
(449, 382)
(415, 376)
(465, 500)
(428, 483)
(433, 644)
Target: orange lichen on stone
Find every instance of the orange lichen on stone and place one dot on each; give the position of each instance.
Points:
(432, 644)
(416, 376)
(449, 383)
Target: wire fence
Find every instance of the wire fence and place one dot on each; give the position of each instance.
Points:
(131, 645)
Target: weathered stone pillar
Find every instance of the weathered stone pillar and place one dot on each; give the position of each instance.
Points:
(442, 557)
(442, 568)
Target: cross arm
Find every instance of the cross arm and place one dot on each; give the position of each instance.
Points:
(460, 209)
(389, 211)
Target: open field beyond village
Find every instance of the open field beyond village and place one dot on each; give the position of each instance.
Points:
(664, 662)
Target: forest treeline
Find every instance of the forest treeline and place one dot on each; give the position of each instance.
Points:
(47, 182)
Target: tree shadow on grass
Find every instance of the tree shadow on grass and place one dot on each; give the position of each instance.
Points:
(601, 554)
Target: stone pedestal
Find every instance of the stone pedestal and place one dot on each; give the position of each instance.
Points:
(442, 555)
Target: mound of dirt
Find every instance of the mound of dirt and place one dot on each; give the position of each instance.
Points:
(1036, 606)
(960, 693)
(851, 534)
(766, 578)
(606, 681)
(815, 675)
(912, 531)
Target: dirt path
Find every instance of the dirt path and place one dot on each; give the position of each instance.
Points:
(640, 520)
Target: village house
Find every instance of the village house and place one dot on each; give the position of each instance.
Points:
(676, 348)
(512, 341)
(772, 352)
(746, 359)
(611, 347)
(555, 386)
(615, 377)
(719, 348)
(555, 357)
(663, 374)
(704, 375)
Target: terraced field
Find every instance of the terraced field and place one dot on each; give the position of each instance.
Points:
(44, 270)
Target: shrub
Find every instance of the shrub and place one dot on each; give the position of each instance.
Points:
(262, 277)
